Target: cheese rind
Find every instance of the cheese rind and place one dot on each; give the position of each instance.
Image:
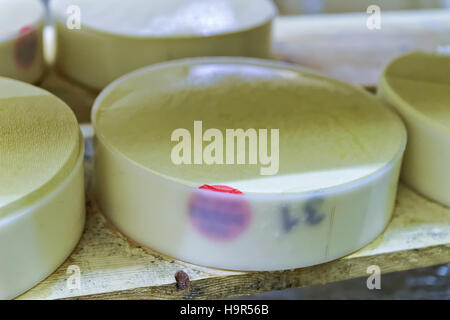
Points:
(41, 185)
(168, 18)
(21, 49)
(340, 157)
(17, 14)
(131, 36)
(329, 133)
(417, 85)
(40, 142)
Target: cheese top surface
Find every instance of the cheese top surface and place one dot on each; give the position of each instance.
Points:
(39, 142)
(330, 133)
(166, 18)
(422, 82)
(18, 14)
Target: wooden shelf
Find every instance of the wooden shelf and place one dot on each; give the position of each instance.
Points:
(337, 45)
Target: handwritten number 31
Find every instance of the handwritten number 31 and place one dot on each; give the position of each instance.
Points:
(310, 214)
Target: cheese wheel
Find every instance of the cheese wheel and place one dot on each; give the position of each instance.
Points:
(21, 25)
(417, 85)
(328, 190)
(41, 185)
(101, 40)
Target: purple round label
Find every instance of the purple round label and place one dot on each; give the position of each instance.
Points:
(25, 47)
(219, 218)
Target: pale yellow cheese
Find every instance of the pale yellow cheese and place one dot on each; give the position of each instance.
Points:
(16, 14)
(166, 18)
(417, 85)
(330, 133)
(21, 49)
(39, 143)
(422, 81)
(99, 41)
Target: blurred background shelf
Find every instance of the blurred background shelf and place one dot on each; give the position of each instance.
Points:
(341, 45)
(292, 7)
(337, 45)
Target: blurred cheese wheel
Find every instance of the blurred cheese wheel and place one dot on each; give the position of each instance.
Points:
(116, 37)
(417, 85)
(330, 190)
(41, 185)
(21, 25)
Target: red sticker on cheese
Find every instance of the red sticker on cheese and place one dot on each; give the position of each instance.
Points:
(26, 47)
(219, 188)
(217, 217)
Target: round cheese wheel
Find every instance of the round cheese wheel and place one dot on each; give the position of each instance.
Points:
(41, 185)
(101, 40)
(417, 85)
(21, 25)
(313, 155)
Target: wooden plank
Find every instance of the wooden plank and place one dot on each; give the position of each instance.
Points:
(418, 236)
